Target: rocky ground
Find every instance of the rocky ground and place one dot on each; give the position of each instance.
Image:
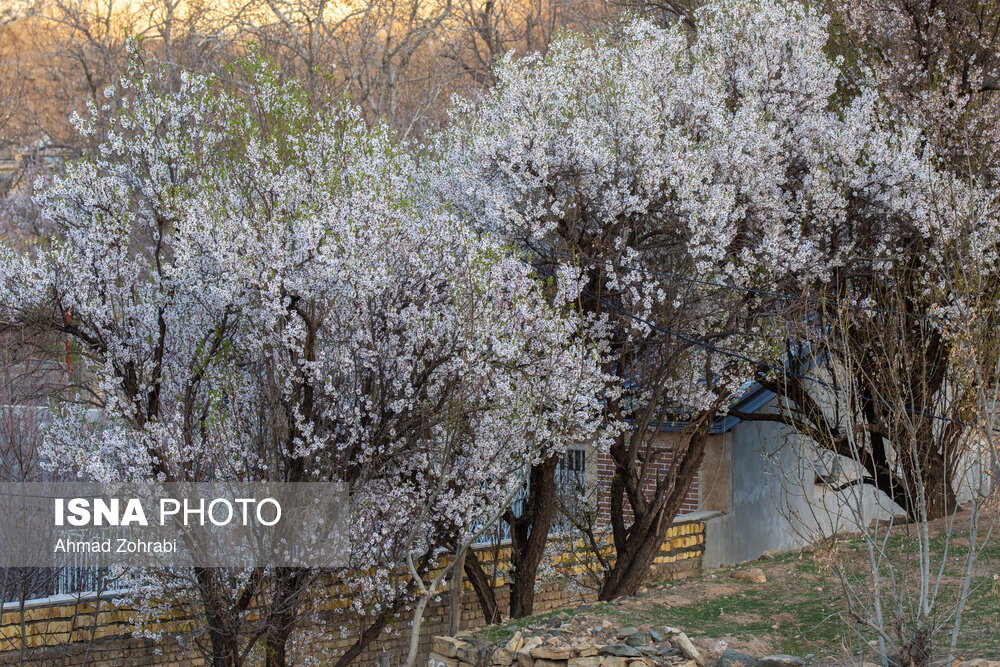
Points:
(621, 647)
(779, 611)
(565, 644)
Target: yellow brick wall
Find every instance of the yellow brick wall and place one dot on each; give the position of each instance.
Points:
(97, 634)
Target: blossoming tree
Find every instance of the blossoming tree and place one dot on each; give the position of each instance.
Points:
(937, 64)
(685, 180)
(933, 70)
(263, 296)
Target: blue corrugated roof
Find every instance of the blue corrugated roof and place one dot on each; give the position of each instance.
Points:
(753, 399)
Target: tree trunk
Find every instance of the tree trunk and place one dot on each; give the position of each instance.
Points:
(382, 620)
(275, 648)
(637, 545)
(222, 636)
(633, 562)
(482, 585)
(288, 585)
(369, 634)
(528, 535)
(917, 652)
(455, 603)
(939, 495)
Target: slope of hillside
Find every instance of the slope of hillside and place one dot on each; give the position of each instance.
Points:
(789, 604)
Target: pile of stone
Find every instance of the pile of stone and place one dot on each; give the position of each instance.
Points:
(629, 648)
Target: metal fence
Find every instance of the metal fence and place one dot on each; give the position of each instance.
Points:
(570, 482)
(41, 582)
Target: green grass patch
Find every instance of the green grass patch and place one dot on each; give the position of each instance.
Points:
(802, 608)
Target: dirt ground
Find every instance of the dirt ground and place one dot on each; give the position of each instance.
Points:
(816, 603)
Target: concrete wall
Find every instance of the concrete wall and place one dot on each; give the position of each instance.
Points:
(775, 501)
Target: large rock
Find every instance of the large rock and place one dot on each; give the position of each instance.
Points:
(636, 640)
(515, 643)
(682, 642)
(640, 662)
(552, 652)
(754, 574)
(733, 658)
(585, 650)
(446, 646)
(473, 654)
(584, 661)
(625, 632)
(523, 654)
(502, 657)
(530, 643)
(620, 651)
(780, 660)
(542, 662)
(614, 661)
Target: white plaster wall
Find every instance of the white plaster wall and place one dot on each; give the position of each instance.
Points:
(776, 503)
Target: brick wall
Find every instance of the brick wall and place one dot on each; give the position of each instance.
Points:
(96, 634)
(662, 463)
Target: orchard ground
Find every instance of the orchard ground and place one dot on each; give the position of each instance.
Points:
(800, 609)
